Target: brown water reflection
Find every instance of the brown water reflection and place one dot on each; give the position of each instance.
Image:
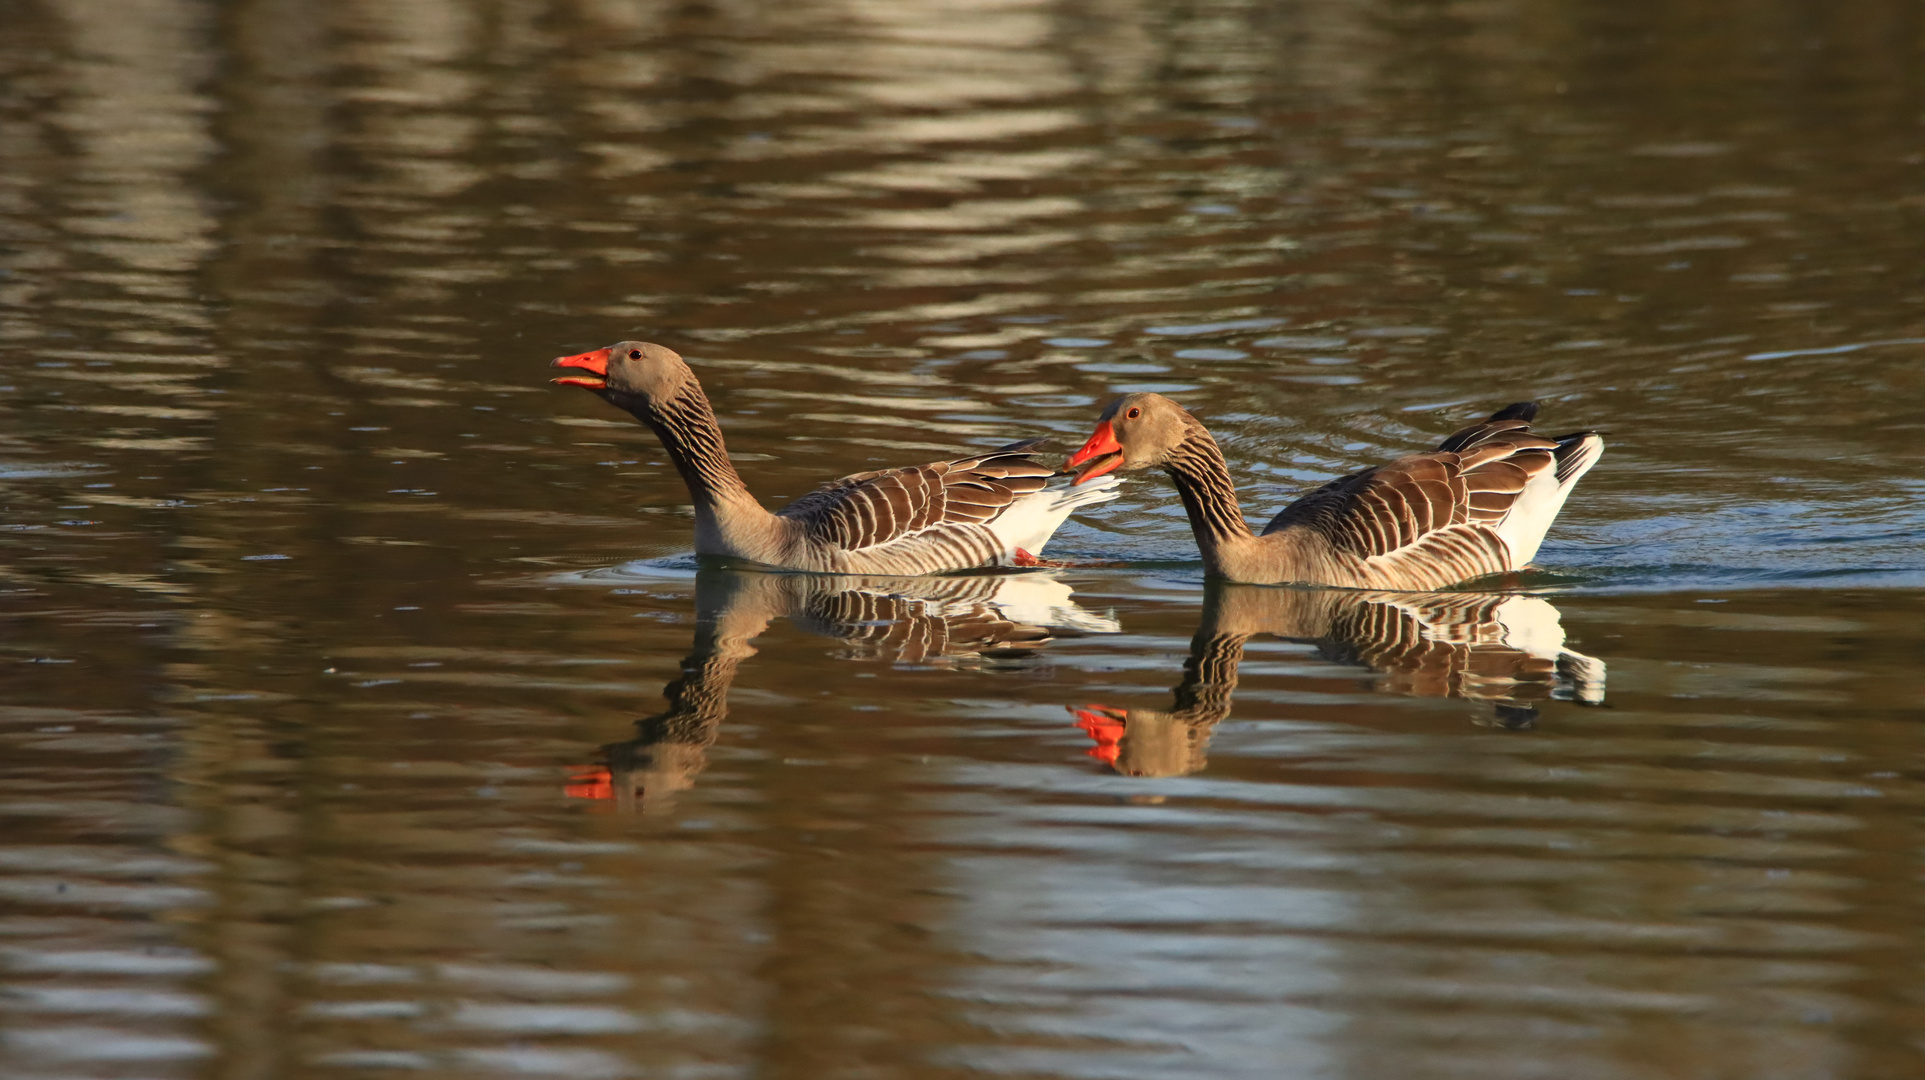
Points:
(1508, 650)
(976, 617)
(308, 616)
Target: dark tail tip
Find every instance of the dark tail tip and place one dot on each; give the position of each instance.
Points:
(1523, 410)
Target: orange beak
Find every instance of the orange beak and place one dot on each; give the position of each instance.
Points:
(1102, 452)
(595, 361)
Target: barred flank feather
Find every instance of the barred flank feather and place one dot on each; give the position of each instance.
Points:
(947, 515)
(1471, 508)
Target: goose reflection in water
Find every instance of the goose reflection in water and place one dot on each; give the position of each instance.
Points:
(1507, 650)
(997, 618)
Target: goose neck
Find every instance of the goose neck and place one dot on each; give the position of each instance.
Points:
(1209, 497)
(693, 440)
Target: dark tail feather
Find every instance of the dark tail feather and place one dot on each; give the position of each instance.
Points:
(1573, 452)
(1512, 417)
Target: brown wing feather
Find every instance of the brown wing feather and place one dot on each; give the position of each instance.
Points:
(1381, 510)
(1432, 508)
(1492, 487)
(873, 508)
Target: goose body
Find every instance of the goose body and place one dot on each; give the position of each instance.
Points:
(994, 509)
(1477, 505)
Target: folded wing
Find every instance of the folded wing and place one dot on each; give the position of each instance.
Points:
(1477, 505)
(875, 508)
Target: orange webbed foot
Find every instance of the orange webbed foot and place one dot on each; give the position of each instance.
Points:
(1024, 558)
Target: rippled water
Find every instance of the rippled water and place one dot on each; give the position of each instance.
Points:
(364, 714)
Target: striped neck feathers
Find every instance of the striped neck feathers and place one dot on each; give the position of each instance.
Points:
(687, 427)
(1203, 482)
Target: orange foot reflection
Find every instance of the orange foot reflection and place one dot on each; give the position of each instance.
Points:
(1105, 726)
(1024, 558)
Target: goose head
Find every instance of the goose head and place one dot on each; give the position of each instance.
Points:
(1136, 431)
(631, 374)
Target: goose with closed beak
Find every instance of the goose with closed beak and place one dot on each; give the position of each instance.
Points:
(995, 509)
(1477, 505)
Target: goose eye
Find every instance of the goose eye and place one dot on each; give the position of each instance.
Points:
(634, 354)
(1133, 414)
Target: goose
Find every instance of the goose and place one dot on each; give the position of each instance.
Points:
(993, 509)
(1477, 505)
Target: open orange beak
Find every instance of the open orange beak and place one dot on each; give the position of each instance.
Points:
(595, 362)
(1101, 454)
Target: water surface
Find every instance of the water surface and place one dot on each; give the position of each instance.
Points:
(364, 713)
